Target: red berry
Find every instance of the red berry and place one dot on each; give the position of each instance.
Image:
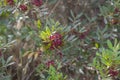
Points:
(84, 34)
(60, 54)
(113, 72)
(37, 2)
(56, 40)
(10, 2)
(55, 36)
(50, 63)
(23, 7)
(116, 10)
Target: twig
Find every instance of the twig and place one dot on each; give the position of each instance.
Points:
(99, 78)
(30, 75)
(54, 8)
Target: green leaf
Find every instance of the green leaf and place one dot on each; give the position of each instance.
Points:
(94, 61)
(39, 24)
(109, 44)
(48, 32)
(10, 64)
(9, 59)
(43, 35)
(117, 58)
(97, 45)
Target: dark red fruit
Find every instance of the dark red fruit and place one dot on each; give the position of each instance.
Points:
(114, 21)
(55, 36)
(60, 54)
(50, 63)
(37, 2)
(116, 10)
(113, 72)
(56, 40)
(84, 34)
(10, 2)
(23, 7)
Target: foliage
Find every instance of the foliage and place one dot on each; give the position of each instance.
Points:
(54, 75)
(36, 45)
(107, 58)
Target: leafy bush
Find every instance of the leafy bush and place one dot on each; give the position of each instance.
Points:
(34, 45)
(107, 61)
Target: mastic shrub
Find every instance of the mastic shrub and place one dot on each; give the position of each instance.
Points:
(59, 39)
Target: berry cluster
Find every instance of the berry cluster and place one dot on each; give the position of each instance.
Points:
(50, 63)
(112, 72)
(37, 2)
(56, 40)
(23, 7)
(10, 2)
